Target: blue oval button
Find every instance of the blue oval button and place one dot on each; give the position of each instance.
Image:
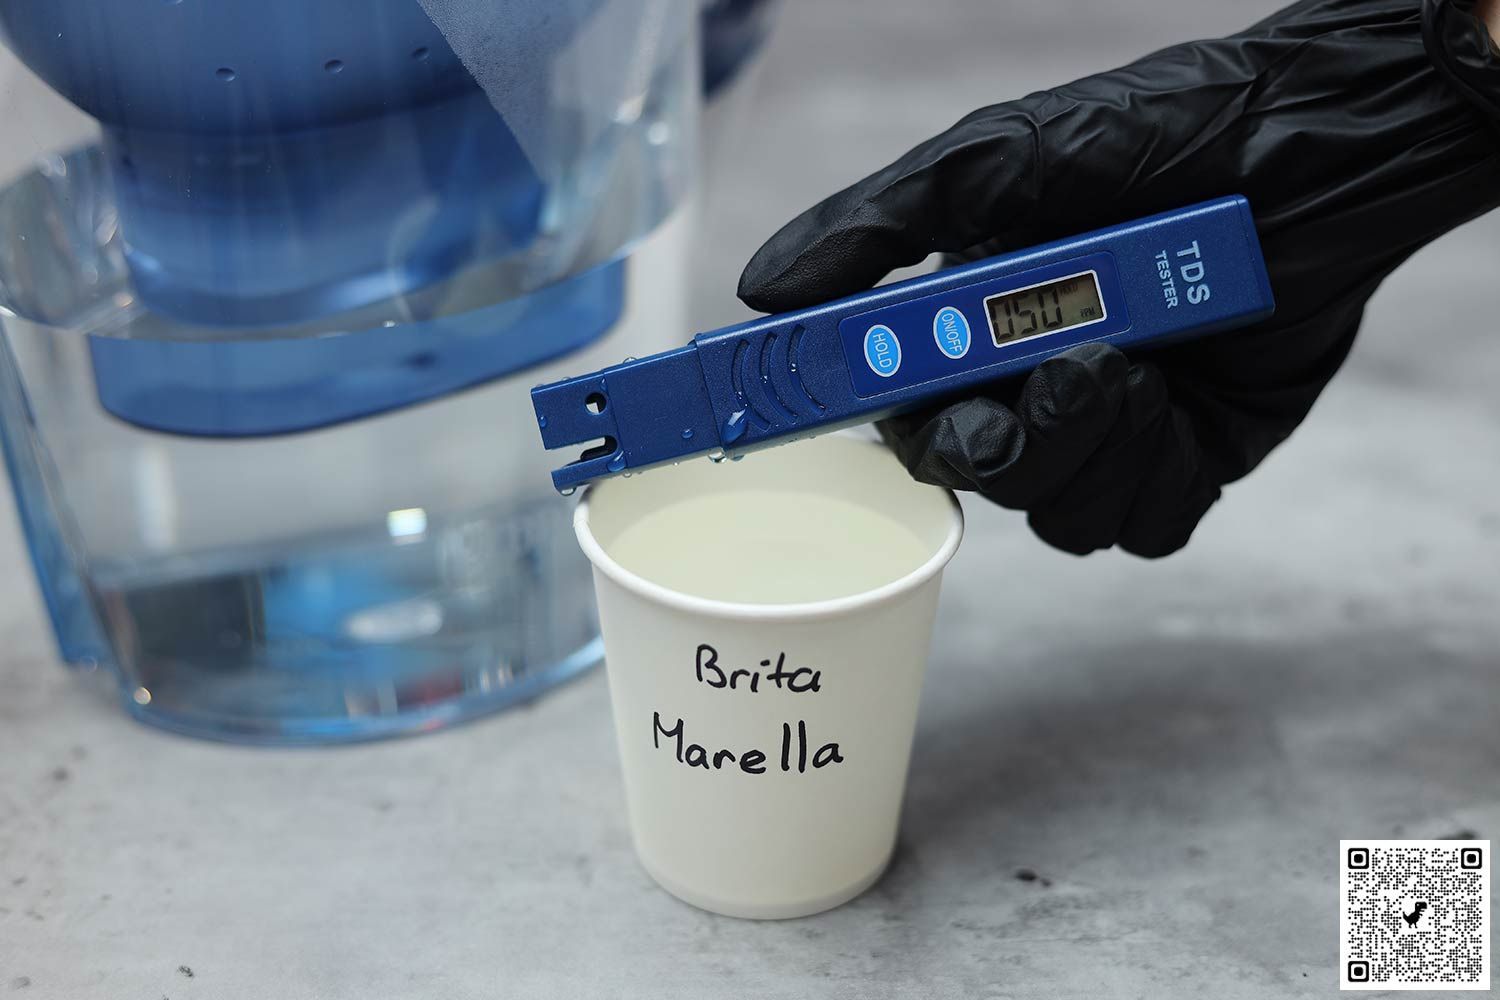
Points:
(882, 351)
(950, 328)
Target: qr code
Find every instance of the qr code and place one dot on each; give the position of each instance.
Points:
(1414, 915)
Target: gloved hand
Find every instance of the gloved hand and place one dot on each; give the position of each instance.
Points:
(1356, 145)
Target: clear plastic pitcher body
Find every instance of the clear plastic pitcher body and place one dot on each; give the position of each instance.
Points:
(274, 281)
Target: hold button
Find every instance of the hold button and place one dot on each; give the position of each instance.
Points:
(882, 350)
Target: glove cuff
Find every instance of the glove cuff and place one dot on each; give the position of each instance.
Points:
(1461, 48)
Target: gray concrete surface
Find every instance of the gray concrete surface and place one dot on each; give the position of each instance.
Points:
(1176, 746)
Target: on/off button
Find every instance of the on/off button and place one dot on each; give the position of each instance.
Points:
(950, 328)
(882, 350)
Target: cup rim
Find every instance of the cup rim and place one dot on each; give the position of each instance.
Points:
(744, 611)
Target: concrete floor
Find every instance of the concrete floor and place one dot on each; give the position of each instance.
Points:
(1176, 746)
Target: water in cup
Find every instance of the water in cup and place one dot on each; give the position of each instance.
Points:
(799, 539)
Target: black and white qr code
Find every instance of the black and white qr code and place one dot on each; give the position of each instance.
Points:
(1414, 914)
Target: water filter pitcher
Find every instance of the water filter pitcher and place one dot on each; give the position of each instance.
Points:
(275, 277)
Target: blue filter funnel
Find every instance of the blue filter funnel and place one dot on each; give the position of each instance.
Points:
(284, 169)
(274, 162)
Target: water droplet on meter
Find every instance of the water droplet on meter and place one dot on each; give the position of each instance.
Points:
(734, 428)
(568, 491)
(687, 434)
(737, 458)
(541, 421)
(716, 456)
(616, 462)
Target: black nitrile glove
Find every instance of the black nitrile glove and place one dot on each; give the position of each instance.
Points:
(1356, 145)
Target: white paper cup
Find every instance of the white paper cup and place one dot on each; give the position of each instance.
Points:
(756, 791)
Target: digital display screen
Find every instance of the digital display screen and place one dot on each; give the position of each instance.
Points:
(1048, 308)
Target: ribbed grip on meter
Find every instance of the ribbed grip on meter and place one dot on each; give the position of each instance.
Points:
(761, 371)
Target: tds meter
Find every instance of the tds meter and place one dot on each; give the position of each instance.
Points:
(898, 347)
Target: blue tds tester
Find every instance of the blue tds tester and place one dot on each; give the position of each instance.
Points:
(1181, 274)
